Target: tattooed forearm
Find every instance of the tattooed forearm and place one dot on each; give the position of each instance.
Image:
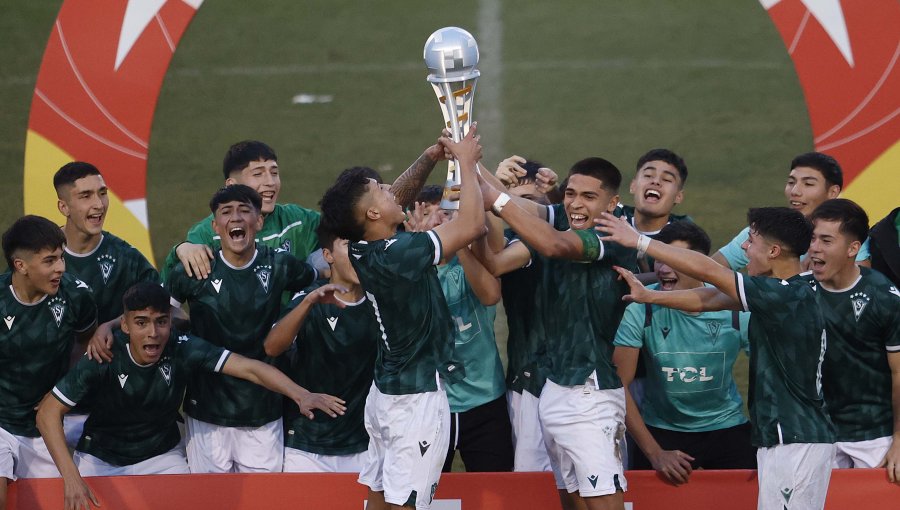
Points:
(407, 187)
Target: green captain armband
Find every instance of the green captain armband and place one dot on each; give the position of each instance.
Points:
(591, 246)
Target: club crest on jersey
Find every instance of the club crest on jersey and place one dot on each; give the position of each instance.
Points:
(285, 246)
(263, 273)
(57, 307)
(183, 338)
(713, 328)
(106, 262)
(859, 300)
(166, 370)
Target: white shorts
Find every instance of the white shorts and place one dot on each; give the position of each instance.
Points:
(528, 440)
(794, 476)
(861, 454)
(408, 440)
(173, 462)
(73, 426)
(583, 427)
(25, 457)
(217, 449)
(299, 461)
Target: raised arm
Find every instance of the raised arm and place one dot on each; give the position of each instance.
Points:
(76, 492)
(409, 184)
(485, 285)
(468, 224)
(282, 334)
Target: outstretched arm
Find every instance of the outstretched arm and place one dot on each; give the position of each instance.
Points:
(282, 334)
(410, 183)
(700, 299)
(77, 494)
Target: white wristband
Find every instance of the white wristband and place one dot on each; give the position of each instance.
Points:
(499, 203)
(642, 245)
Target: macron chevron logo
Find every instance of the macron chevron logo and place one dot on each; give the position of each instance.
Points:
(122, 379)
(388, 243)
(217, 284)
(332, 321)
(9, 319)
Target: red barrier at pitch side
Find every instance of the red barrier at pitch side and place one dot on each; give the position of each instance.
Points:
(708, 490)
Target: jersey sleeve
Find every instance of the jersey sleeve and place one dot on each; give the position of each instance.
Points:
(202, 355)
(631, 329)
(79, 381)
(179, 285)
(556, 216)
(762, 295)
(408, 254)
(892, 314)
(307, 239)
(144, 271)
(733, 253)
(744, 322)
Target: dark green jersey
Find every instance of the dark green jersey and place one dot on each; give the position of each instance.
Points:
(335, 354)
(110, 269)
(235, 308)
(416, 331)
(580, 303)
(787, 349)
(863, 325)
(135, 407)
(645, 264)
(35, 342)
(289, 227)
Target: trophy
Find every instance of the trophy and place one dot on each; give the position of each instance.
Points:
(451, 55)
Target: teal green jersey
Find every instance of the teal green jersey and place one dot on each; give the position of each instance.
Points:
(335, 354)
(235, 308)
(109, 270)
(475, 345)
(737, 258)
(289, 227)
(787, 349)
(580, 303)
(689, 360)
(416, 330)
(135, 407)
(35, 342)
(863, 325)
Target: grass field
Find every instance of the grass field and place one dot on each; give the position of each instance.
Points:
(560, 81)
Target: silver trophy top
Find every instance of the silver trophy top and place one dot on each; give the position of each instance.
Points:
(451, 55)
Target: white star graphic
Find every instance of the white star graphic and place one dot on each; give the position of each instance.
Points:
(139, 14)
(830, 15)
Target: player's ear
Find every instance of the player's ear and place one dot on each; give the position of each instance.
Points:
(632, 188)
(853, 249)
(613, 202)
(123, 324)
(63, 208)
(259, 221)
(679, 196)
(230, 181)
(774, 251)
(20, 266)
(373, 214)
(833, 191)
(328, 256)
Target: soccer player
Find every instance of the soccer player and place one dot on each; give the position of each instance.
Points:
(44, 310)
(814, 178)
(336, 343)
(790, 422)
(234, 425)
(861, 377)
(582, 404)
(692, 412)
(885, 246)
(407, 413)
(132, 429)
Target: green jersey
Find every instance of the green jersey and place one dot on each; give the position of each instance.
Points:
(109, 270)
(475, 345)
(580, 303)
(335, 354)
(135, 407)
(787, 349)
(235, 308)
(35, 342)
(645, 264)
(737, 259)
(416, 329)
(863, 325)
(289, 227)
(689, 360)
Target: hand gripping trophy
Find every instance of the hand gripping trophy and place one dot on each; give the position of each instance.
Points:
(451, 55)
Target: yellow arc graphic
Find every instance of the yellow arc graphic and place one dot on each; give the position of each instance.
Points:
(872, 188)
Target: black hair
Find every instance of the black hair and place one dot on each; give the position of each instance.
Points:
(667, 156)
(326, 235)
(687, 231)
(71, 172)
(825, 164)
(235, 193)
(243, 153)
(610, 177)
(788, 227)
(339, 203)
(531, 170)
(144, 295)
(853, 219)
(31, 233)
(365, 171)
(431, 194)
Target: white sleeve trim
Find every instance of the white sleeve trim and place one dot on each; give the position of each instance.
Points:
(174, 302)
(742, 296)
(65, 400)
(437, 247)
(551, 216)
(892, 348)
(602, 248)
(222, 359)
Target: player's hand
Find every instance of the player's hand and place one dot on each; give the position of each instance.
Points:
(674, 465)
(509, 170)
(546, 180)
(467, 149)
(617, 229)
(78, 495)
(438, 152)
(326, 294)
(891, 462)
(195, 258)
(100, 345)
(637, 293)
(332, 406)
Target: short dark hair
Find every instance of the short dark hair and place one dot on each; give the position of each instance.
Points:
(825, 164)
(235, 193)
(71, 172)
(531, 170)
(243, 153)
(431, 194)
(144, 295)
(610, 177)
(368, 172)
(339, 203)
(326, 235)
(667, 156)
(31, 233)
(853, 219)
(786, 226)
(687, 231)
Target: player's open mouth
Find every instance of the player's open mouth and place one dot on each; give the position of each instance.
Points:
(668, 283)
(816, 264)
(55, 282)
(577, 220)
(152, 349)
(267, 196)
(797, 205)
(237, 233)
(652, 195)
(95, 218)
